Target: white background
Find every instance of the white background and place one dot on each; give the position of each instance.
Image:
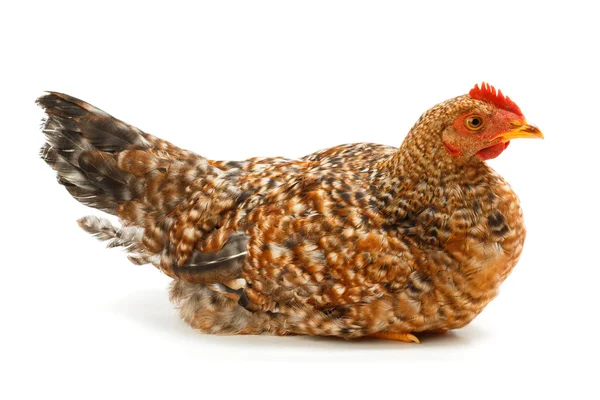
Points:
(231, 80)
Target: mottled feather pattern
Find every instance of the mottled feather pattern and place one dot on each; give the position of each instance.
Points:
(348, 241)
(129, 238)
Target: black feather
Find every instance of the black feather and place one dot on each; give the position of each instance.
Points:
(82, 143)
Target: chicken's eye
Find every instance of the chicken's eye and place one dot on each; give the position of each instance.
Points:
(474, 123)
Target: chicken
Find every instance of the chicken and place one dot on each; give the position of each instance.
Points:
(357, 240)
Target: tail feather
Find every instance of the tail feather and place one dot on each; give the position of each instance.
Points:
(159, 192)
(82, 143)
(129, 238)
(81, 123)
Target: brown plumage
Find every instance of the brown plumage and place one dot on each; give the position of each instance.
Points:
(356, 240)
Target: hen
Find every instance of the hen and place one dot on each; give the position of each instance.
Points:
(356, 240)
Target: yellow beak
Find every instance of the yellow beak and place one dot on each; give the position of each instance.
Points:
(522, 130)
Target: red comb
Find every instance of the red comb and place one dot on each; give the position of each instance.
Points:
(488, 93)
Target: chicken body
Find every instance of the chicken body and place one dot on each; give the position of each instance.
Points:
(351, 241)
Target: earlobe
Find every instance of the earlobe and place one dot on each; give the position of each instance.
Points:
(449, 140)
(453, 150)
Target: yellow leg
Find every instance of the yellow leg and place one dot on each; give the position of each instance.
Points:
(402, 337)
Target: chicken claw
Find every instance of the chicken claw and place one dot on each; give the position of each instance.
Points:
(402, 337)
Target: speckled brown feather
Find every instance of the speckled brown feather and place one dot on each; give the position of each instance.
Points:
(349, 241)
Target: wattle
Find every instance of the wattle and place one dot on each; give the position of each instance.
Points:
(492, 151)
